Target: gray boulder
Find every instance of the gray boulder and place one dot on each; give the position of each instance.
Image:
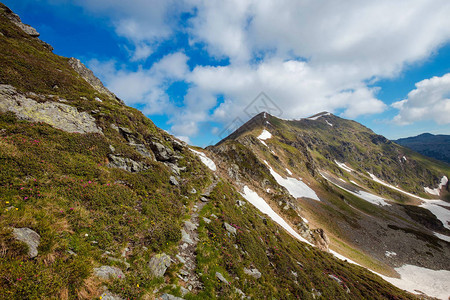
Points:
(221, 278)
(254, 272)
(159, 263)
(162, 153)
(29, 237)
(173, 181)
(230, 228)
(186, 238)
(107, 272)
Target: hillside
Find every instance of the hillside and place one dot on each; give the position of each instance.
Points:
(377, 203)
(97, 202)
(434, 146)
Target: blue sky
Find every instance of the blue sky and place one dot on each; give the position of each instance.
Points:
(193, 66)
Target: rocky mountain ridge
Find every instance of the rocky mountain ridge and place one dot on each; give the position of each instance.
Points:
(434, 146)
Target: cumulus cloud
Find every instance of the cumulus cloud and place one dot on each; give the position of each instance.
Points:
(145, 88)
(308, 56)
(430, 100)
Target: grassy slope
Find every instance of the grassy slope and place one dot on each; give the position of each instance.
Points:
(59, 185)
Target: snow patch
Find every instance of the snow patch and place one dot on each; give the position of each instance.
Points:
(376, 179)
(442, 236)
(354, 182)
(289, 172)
(437, 190)
(374, 199)
(404, 157)
(390, 254)
(344, 166)
(304, 220)
(265, 135)
(316, 117)
(329, 123)
(295, 187)
(435, 206)
(265, 208)
(440, 209)
(206, 160)
(417, 279)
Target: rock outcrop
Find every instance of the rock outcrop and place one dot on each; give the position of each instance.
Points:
(107, 272)
(29, 237)
(159, 263)
(89, 76)
(127, 164)
(61, 116)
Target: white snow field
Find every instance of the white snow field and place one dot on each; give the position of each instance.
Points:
(295, 187)
(374, 199)
(416, 279)
(265, 208)
(344, 166)
(437, 191)
(437, 207)
(206, 160)
(264, 136)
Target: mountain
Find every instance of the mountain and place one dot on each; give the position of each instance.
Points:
(98, 202)
(434, 146)
(342, 186)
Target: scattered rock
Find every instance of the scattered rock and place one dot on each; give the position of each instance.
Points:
(107, 272)
(173, 181)
(159, 263)
(169, 297)
(58, 115)
(120, 261)
(183, 291)
(229, 228)
(98, 99)
(240, 293)
(180, 258)
(107, 295)
(207, 221)
(111, 147)
(186, 238)
(321, 239)
(188, 225)
(71, 252)
(253, 272)
(204, 199)
(193, 191)
(125, 163)
(240, 203)
(221, 278)
(162, 153)
(29, 237)
(214, 216)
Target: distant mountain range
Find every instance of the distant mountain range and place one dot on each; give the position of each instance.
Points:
(434, 146)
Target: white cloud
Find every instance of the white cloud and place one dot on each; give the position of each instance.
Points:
(309, 56)
(144, 87)
(430, 100)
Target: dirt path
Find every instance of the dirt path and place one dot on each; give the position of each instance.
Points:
(188, 245)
